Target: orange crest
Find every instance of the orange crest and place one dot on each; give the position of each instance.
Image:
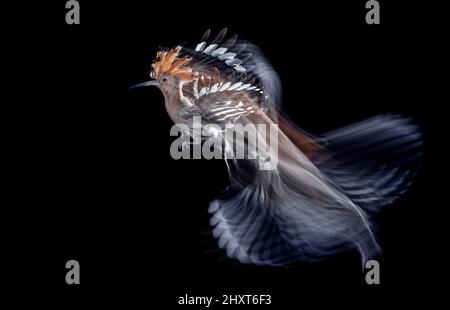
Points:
(169, 62)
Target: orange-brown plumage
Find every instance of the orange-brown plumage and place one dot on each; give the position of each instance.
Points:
(169, 62)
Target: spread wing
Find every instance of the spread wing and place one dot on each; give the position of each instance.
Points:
(374, 161)
(231, 68)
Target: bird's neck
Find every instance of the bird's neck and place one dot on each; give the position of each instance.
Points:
(176, 100)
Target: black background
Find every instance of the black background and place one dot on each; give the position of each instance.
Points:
(97, 183)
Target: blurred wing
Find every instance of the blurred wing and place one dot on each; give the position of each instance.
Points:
(247, 232)
(294, 214)
(373, 161)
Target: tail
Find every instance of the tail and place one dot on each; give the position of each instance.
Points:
(310, 208)
(373, 161)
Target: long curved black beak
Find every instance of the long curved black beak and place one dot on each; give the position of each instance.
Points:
(145, 84)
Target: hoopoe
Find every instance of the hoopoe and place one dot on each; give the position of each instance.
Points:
(320, 197)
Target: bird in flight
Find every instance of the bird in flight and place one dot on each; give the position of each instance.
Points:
(321, 193)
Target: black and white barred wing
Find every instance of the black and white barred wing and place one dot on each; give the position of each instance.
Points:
(226, 107)
(374, 161)
(227, 112)
(236, 65)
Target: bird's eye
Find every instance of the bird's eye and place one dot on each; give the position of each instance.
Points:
(164, 79)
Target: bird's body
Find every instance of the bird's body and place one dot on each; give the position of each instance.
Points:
(319, 197)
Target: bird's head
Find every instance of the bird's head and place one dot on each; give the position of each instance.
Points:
(169, 71)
